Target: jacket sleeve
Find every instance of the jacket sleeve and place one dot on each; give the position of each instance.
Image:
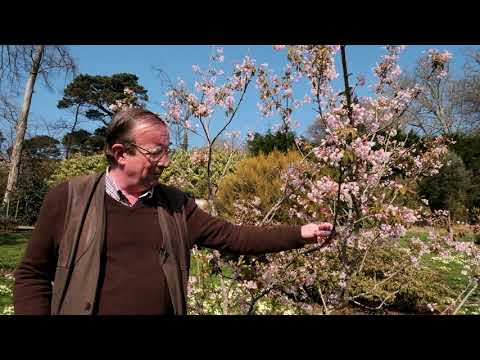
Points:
(214, 232)
(34, 275)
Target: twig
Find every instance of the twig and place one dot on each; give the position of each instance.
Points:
(378, 284)
(475, 282)
(325, 309)
(256, 298)
(225, 297)
(384, 301)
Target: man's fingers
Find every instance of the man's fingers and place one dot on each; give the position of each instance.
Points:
(324, 234)
(321, 233)
(325, 226)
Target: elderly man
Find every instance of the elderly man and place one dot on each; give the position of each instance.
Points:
(118, 242)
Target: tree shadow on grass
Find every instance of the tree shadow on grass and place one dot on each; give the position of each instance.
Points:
(13, 238)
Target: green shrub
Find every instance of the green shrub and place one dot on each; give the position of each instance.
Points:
(409, 290)
(77, 165)
(188, 169)
(256, 177)
(30, 190)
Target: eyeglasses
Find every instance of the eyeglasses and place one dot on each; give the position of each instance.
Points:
(155, 155)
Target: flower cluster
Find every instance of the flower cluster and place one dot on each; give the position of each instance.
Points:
(438, 62)
(388, 70)
(276, 94)
(181, 104)
(128, 101)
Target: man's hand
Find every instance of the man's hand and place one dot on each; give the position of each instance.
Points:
(317, 232)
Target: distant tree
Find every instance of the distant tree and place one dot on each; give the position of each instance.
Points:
(83, 142)
(40, 156)
(468, 148)
(467, 96)
(265, 144)
(41, 147)
(450, 189)
(101, 132)
(28, 61)
(448, 105)
(92, 95)
(316, 131)
(433, 112)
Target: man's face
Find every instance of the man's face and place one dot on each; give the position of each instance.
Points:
(143, 166)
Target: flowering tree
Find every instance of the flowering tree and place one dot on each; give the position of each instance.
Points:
(358, 178)
(185, 107)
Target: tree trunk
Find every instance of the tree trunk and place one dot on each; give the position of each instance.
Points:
(212, 209)
(22, 124)
(69, 140)
(185, 140)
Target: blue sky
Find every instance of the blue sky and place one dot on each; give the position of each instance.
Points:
(177, 61)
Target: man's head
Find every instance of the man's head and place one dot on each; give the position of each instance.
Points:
(137, 143)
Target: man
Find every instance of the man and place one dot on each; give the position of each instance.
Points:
(119, 242)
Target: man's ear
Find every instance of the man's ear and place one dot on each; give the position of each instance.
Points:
(119, 153)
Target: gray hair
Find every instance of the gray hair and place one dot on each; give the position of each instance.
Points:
(119, 131)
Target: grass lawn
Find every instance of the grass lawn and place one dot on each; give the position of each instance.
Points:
(450, 271)
(12, 247)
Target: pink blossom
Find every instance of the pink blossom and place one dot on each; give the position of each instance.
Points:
(192, 99)
(175, 112)
(414, 261)
(362, 148)
(307, 99)
(202, 110)
(198, 86)
(361, 80)
(288, 92)
(342, 284)
(333, 121)
(229, 102)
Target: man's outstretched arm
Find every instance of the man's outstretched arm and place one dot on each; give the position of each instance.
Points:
(217, 233)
